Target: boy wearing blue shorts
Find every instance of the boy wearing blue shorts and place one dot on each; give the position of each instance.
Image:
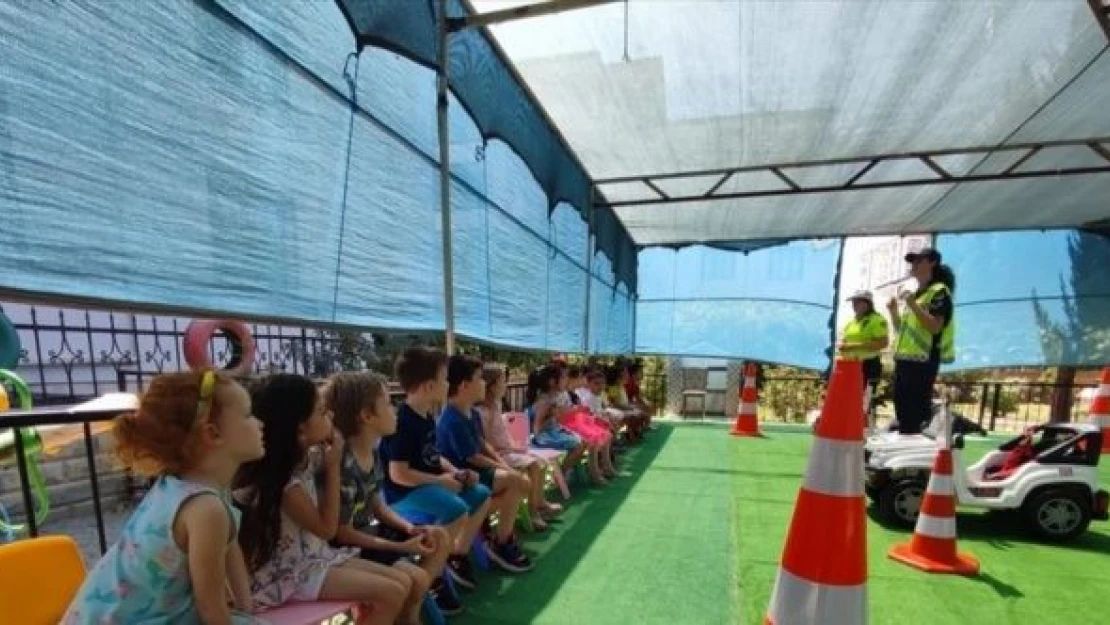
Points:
(459, 436)
(419, 484)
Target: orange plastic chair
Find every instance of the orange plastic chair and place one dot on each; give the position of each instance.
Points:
(38, 579)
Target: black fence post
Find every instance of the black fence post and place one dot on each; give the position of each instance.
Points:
(25, 484)
(983, 393)
(995, 405)
(90, 456)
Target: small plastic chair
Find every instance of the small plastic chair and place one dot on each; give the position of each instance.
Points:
(39, 578)
(517, 423)
(307, 613)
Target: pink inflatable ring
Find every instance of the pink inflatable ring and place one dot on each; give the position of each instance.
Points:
(240, 343)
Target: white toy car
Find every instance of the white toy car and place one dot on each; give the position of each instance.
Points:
(892, 442)
(1049, 474)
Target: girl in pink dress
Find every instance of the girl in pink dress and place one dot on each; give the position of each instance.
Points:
(580, 420)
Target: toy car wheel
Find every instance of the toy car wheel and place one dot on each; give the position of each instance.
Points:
(901, 501)
(1058, 514)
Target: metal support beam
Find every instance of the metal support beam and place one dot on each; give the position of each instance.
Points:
(591, 243)
(478, 20)
(444, 126)
(1101, 9)
(1018, 169)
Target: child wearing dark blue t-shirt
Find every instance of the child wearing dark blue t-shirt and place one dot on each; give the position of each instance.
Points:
(459, 436)
(419, 484)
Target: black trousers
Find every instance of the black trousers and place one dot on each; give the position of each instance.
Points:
(913, 394)
(872, 371)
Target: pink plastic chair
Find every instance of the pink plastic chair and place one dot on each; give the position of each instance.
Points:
(517, 423)
(308, 613)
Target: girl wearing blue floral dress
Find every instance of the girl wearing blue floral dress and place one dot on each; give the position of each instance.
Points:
(177, 560)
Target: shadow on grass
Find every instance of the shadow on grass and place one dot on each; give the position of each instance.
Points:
(1001, 588)
(793, 475)
(519, 599)
(1002, 530)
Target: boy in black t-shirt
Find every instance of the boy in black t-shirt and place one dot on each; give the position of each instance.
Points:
(419, 484)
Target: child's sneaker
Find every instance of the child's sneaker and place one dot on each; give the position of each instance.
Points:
(509, 557)
(446, 599)
(461, 571)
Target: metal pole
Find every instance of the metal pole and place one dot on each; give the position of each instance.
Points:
(589, 268)
(445, 180)
(25, 483)
(489, 18)
(90, 458)
(995, 405)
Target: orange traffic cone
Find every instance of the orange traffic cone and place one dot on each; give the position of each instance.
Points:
(1100, 409)
(747, 415)
(823, 575)
(933, 546)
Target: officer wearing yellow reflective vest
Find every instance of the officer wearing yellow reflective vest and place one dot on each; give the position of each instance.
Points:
(865, 337)
(924, 338)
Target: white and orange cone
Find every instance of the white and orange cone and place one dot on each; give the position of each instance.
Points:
(747, 415)
(933, 546)
(822, 579)
(1100, 409)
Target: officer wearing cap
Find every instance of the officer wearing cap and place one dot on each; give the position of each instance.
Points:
(865, 337)
(924, 338)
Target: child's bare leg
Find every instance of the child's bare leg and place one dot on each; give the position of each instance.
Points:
(441, 549)
(512, 487)
(536, 501)
(420, 582)
(573, 458)
(471, 529)
(354, 582)
(607, 459)
(455, 529)
(592, 465)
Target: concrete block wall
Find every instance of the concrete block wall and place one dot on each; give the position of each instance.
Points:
(67, 479)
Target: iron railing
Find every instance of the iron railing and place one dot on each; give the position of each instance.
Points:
(69, 355)
(1011, 406)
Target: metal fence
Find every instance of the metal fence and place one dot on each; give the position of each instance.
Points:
(997, 405)
(69, 355)
(1011, 406)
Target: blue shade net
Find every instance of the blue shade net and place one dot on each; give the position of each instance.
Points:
(770, 304)
(1030, 298)
(498, 103)
(239, 157)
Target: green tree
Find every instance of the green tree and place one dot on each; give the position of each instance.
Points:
(1083, 335)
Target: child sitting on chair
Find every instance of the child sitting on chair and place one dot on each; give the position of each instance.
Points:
(459, 437)
(359, 403)
(420, 484)
(288, 519)
(616, 378)
(496, 434)
(543, 386)
(580, 420)
(178, 553)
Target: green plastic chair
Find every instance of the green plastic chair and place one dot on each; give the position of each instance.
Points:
(33, 448)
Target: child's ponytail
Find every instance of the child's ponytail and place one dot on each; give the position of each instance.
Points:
(534, 389)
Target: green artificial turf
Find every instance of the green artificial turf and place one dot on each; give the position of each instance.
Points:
(1021, 581)
(693, 534)
(652, 547)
